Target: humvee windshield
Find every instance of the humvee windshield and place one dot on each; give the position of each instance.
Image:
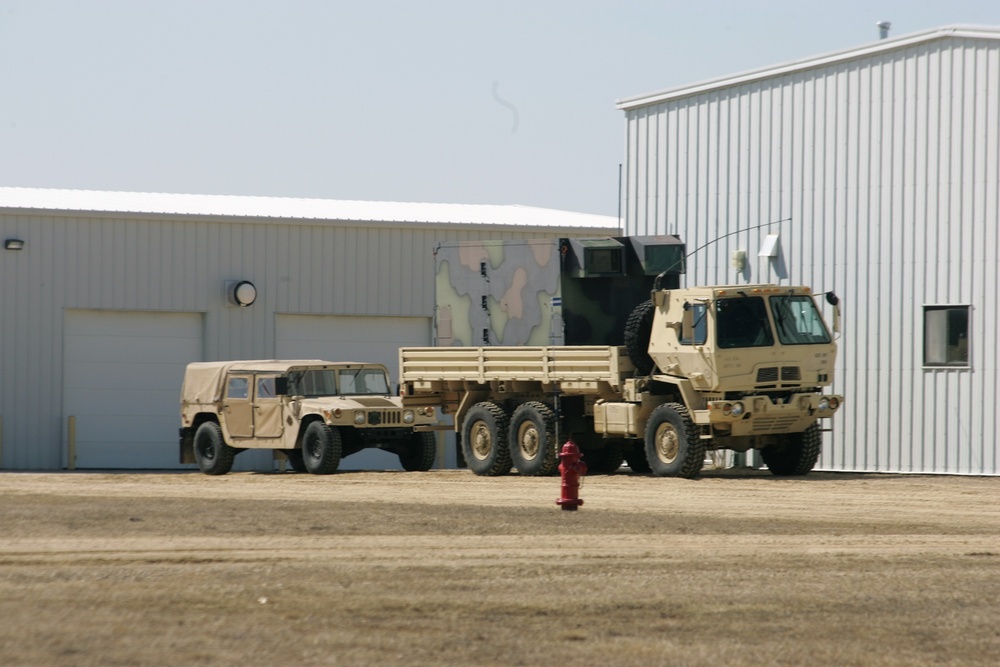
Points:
(354, 381)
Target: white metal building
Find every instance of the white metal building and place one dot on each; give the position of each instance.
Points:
(877, 169)
(106, 296)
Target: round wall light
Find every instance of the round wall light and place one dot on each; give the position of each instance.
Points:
(243, 293)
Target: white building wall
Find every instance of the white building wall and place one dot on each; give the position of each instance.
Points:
(880, 173)
(179, 264)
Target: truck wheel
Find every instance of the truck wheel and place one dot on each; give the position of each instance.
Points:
(484, 440)
(532, 436)
(603, 461)
(796, 455)
(673, 447)
(638, 331)
(213, 455)
(420, 453)
(321, 448)
(635, 457)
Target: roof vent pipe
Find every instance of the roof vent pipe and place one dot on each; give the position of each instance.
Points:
(883, 29)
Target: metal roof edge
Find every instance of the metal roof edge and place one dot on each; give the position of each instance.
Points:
(888, 44)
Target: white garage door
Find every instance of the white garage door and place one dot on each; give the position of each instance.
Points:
(346, 338)
(122, 376)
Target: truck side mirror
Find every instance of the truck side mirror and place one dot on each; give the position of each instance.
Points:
(281, 386)
(687, 323)
(834, 301)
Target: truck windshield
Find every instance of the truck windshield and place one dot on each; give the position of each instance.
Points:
(798, 321)
(742, 322)
(363, 381)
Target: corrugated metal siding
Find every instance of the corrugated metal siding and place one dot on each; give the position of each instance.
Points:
(181, 265)
(883, 172)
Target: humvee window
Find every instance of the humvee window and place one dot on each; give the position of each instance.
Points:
(311, 384)
(265, 388)
(798, 321)
(364, 381)
(742, 322)
(238, 388)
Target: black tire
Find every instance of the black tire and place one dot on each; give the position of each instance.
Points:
(635, 457)
(420, 454)
(605, 460)
(484, 440)
(796, 454)
(532, 437)
(212, 454)
(638, 331)
(321, 448)
(673, 448)
(295, 460)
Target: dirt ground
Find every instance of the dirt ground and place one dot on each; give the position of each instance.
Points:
(446, 568)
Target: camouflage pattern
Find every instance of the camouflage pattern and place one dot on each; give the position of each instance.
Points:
(547, 291)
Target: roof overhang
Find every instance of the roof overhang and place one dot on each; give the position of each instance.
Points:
(964, 32)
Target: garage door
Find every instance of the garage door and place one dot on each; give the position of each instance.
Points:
(345, 338)
(121, 380)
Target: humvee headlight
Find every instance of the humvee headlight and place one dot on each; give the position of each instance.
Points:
(737, 409)
(407, 416)
(359, 416)
(336, 413)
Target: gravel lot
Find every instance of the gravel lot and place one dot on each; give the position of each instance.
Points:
(377, 568)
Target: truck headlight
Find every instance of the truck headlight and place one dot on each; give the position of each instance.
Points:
(737, 409)
(359, 416)
(824, 403)
(407, 416)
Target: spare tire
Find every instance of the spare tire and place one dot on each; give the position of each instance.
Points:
(638, 330)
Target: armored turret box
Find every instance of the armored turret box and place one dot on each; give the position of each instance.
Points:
(548, 291)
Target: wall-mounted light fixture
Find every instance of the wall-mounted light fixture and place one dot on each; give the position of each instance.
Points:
(769, 248)
(13, 244)
(241, 293)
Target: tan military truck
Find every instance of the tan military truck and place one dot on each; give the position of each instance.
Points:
(311, 412)
(727, 367)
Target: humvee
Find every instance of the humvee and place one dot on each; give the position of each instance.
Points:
(310, 412)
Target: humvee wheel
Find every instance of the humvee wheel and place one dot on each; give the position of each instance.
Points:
(484, 440)
(638, 331)
(213, 455)
(420, 453)
(321, 448)
(796, 454)
(533, 447)
(673, 448)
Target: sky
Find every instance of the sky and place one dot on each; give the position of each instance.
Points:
(435, 101)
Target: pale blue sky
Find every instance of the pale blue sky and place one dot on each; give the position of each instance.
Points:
(383, 100)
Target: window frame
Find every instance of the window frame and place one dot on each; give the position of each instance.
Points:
(946, 365)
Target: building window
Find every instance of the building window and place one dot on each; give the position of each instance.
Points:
(946, 335)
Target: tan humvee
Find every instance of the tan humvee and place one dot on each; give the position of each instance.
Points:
(311, 412)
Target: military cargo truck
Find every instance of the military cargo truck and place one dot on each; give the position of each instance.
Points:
(726, 367)
(310, 412)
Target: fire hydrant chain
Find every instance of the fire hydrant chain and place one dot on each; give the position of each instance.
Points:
(571, 470)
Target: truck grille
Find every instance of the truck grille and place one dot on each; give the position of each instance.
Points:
(772, 374)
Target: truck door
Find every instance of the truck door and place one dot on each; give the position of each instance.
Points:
(237, 408)
(267, 409)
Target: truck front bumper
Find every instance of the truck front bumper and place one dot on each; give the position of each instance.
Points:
(760, 415)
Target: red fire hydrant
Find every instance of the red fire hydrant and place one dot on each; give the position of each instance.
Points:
(571, 469)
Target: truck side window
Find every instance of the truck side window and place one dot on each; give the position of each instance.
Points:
(238, 388)
(698, 311)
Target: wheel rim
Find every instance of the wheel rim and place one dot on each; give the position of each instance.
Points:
(207, 450)
(312, 447)
(482, 441)
(528, 440)
(668, 443)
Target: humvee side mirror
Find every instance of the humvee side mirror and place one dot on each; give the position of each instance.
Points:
(281, 386)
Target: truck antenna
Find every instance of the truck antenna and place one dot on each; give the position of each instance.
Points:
(659, 278)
